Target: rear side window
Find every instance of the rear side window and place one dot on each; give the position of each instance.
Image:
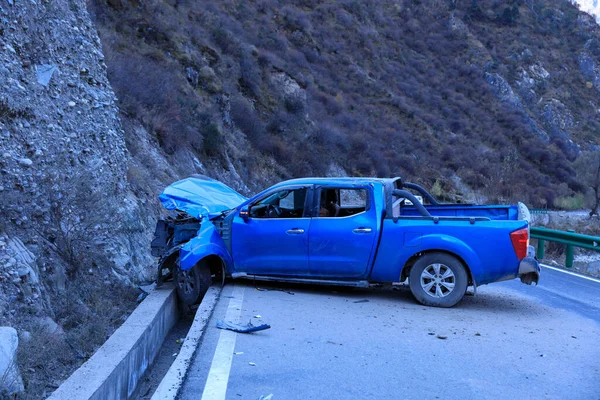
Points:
(353, 198)
(342, 202)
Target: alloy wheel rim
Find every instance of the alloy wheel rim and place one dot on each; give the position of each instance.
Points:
(185, 281)
(438, 280)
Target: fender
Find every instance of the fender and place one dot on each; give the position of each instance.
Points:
(448, 244)
(208, 242)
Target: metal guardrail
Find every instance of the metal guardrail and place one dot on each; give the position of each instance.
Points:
(538, 210)
(570, 239)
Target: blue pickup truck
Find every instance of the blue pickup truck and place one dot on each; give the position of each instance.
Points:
(339, 231)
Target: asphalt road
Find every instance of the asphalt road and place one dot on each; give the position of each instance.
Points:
(510, 341)
(560, 289)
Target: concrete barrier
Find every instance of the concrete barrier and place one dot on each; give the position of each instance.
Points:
(173, 379)
(115, 369)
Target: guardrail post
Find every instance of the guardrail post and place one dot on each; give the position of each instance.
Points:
(569, 260)
(569, 253)
(540, 249)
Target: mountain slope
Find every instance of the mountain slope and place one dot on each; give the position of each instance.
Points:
(493, 101)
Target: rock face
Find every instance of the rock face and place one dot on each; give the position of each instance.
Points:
(505, 93)
(68, 216)
(588, 66)
(502, 89)
(10, 379)
(63, 157)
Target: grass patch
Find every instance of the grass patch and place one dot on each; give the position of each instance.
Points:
(570, 203)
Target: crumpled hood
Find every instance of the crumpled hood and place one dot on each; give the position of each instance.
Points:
(200, 196)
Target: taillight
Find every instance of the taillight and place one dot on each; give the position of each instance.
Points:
(520, 241)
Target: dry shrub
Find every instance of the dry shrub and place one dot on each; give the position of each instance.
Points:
(246, 120)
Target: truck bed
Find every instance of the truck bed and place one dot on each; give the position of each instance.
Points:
(493, 212)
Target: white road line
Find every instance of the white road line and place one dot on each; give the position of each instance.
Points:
(571, 273)
(218, 376)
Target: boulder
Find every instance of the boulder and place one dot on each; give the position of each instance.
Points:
(502, 89)
(25, 336)
(48, 325)
(589, 69)
(10, 380)
(558, 116)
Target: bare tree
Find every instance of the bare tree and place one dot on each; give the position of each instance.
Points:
(588, 172)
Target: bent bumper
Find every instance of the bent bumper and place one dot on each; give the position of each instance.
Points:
(529, 270)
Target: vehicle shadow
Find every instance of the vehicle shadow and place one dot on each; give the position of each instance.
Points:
(490, 300)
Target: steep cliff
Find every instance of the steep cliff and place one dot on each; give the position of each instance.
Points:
(69, 223)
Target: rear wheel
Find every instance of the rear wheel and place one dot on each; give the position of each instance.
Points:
(193, 283)
(438, 280)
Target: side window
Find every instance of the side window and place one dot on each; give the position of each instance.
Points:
(354, 198)
(342, 202)
(281, 204)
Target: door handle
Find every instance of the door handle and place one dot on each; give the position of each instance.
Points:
(362, 230)
(295, 231)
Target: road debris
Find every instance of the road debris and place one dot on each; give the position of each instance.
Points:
(267, 397)
(274, 289)
(362, 301)
(478, 334)
(238, 352)
(253, 364)
(257, 316)
(431, 333)
(242, 328)
(443, 337)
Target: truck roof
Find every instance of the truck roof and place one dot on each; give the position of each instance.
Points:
(336, 181)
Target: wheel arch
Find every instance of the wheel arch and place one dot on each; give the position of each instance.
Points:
(411, 261)
(216, 264)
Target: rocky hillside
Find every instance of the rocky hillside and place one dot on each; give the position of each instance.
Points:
(71, 231)
(493, 100)
(106, 101)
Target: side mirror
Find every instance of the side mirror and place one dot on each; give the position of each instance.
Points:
(244, 213)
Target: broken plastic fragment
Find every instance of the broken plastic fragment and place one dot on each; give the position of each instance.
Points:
(238, 352)
(251, 363)
(241, 328)
(277, 289)
(257, 316)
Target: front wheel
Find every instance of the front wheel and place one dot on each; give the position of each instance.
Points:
(438, 280)
(192, 284)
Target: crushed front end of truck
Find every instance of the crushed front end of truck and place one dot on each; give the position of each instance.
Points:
(194, 229)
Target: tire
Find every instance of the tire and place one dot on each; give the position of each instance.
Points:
(438, 280)
(192, 284)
